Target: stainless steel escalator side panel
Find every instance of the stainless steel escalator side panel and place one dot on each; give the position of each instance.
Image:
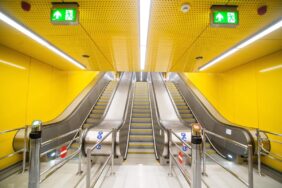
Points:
(167, 115)
(124, 130)
(160, 133)
(74, 119)
(114, 117)
(119, 102)
(210, 119)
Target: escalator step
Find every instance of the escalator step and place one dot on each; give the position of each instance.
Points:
(189, 120)
(141, 106)
(98, 111)
(99, 107)
(141, 115)
(140, 151)
(140, 138)
(96, 116)
(141, 120)
(92, 120)
(141, 110)
(186, 115)
(141, 131)
(184, 111)
(140, 125)
(182, 107)
(86, 125)
(102, 103)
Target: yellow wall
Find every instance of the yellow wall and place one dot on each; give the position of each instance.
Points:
(248, 95)
(31, 90)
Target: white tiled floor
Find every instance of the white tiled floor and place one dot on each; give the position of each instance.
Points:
(140, 171)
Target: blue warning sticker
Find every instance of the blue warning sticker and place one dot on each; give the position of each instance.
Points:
(184, 138)
(99, 137)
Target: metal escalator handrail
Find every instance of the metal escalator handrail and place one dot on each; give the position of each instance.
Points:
(180, 93)
(129, 128)
(227, 139)
(81, 126)
(209, 140)
(58, 165)
(152, 123)
(110, 101)
(59, 137)
(227, 123)
(106, 109)
(89, 161)
(11, 130)
(154, 101)
(155, 104)
(172, 101)
(222, 155)
(269, 132)
(127, 102)
(94, 81)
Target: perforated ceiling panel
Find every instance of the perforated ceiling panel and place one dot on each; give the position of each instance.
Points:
(109, 33)
(176, 39)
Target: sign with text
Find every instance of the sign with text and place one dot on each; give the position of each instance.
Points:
(64, 13)
(224, 16)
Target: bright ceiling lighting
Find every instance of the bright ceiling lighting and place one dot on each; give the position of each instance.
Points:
(271, 68)
(144, 17)
(243, 44)
(38, 39)
(12, 64)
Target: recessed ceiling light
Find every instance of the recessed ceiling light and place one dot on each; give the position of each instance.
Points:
(243, 44)
(185, 7)
(199, 57)
(38, 39)
(85, 56)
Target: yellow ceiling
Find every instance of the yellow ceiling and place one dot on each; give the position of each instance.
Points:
(109, 33)
(179, 38)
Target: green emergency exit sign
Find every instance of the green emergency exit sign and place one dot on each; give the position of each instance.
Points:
(224, 16)
(64, 13)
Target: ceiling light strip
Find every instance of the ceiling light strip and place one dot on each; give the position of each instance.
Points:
(12, 64)
(38, 39)
(271, 68)
(243, 44)
(144, 17)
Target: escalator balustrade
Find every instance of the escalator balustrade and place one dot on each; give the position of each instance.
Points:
(100, 107)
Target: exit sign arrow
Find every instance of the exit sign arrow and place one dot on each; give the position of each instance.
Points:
(57, 14)
(219, 17)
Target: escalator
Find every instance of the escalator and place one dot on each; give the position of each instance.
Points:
(100, 107)
(214, 122)
(183, 109)
(141, 138)
(96, 93)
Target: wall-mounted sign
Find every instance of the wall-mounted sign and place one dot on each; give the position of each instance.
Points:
(224, 16)
(64, 13)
